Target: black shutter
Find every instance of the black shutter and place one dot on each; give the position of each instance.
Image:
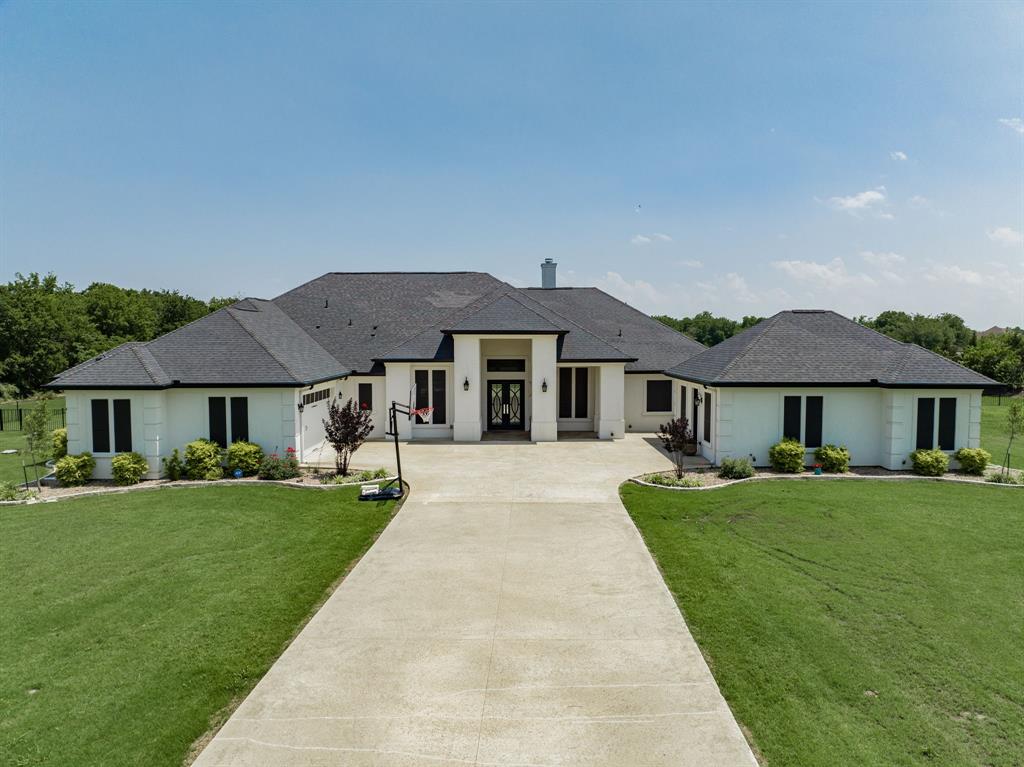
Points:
(707, 417)
(693, 405)
(659, 396)
(581, 392)
(440, 393)
(218, 421)
(421, 378)
(791, 418)
(812, 428)
(239, 419)
(947, 423)
(565, 392)
(100, 426)
(366, 396)
(925, 423)
(122, 426)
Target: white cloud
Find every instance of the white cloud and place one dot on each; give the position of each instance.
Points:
(876, 258)
(1005, 235)
(862, 201)
(647, 239)
(1013, 123)
(830, 276)
(640, 239)
(898, 156)
(662, 237)
(886, 216)
(918, 202)
(738, 288)
(638, 293)
(953, 274)
(691, 263)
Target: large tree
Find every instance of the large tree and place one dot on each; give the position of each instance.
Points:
(707, 328)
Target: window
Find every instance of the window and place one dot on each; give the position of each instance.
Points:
(506, 366)
(573, 392)
(791, 418)
(947, 423)
(103, 425)
(431, 391)
(239, 419)
(707, 417)
(812, 424)
(925, 423)
(659, 396)
(100, 426)
(366, 396)
(218, 421)
(316, 396)
(122, 426)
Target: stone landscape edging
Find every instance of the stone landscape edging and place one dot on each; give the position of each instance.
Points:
(196, 483)
(817, 477)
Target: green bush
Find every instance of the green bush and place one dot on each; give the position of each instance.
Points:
(60, 443)
(736, 468)
(174, 467)
(370, 474)
(202, 460)
(787, 456)
(245, 456)
(664, 481)
(833, 458)
(74, 470)
(276, 467)
(11, 492)
(1000, 478)
(973, 460)
(930, 463)
(128, 468)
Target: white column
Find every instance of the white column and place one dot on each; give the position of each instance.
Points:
(974, 419)
(543, 359)
(73, 421)
(153, 416)
(467, 403)
(397, 383)
(612, 393)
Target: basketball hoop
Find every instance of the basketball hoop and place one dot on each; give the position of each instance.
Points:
(422, 412)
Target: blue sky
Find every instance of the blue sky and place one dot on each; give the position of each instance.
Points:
(742, 158)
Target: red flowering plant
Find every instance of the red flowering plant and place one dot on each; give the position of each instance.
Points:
(276, 467)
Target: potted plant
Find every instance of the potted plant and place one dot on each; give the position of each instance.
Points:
(817, 469)
(690, 446)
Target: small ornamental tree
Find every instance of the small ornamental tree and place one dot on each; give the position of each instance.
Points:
(675, 436)
(347, 427)
(37, 438)
(1014, 428)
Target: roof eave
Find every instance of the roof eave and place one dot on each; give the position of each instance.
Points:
(832, 384)
(556, 332)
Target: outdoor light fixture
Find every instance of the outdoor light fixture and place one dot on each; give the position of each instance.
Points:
(301, 407)
(544, 385)
(465, 384)
(697, 398)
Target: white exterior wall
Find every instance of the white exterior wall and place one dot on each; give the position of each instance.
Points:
(312, 442)
(544, 406)
(399, 384)
(638, 418)
(611, 401)
(899, 418)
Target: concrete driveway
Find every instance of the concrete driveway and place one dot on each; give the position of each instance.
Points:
(509, 615)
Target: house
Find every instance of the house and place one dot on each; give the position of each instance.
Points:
(820, 378)
(487, 357)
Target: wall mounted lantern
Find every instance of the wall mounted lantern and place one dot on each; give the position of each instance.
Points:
(544, 385)
(465, 384)
(301, 407)
(697, 398)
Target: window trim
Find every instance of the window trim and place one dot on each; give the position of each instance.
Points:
(802, 439)
(647, 396)
(359, 395)
(573, 390)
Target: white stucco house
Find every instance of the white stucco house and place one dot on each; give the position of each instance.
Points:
(493, 361)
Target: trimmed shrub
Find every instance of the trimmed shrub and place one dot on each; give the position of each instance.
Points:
(787, 456)
(174, 467)
(74, 470)
(833, 458)
(930, 463)
(276, 467)
(128, 468)
(370, 474)
(60, 443)
(202, 460)
(245, 456)
(973, 460)
(11, 492)
(736, 468)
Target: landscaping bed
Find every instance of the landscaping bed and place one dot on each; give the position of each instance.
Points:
(853, 623)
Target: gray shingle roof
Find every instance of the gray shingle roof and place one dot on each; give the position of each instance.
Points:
(654, 346)
(802, 347)
(507, 314)
(130, 365)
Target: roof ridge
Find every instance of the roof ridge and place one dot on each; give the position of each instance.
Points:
(911, 346)
(266, 348)
(138, 351)
(569, 320)
(770, 322)
(99, 357)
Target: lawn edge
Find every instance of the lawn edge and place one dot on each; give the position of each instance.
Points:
(219, 718)
(823, 477)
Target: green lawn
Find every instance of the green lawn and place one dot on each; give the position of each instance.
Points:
(993, 432)
(130, 621)
(10, 465)
(854, 622)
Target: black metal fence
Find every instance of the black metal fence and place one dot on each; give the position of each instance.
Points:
(13, 418)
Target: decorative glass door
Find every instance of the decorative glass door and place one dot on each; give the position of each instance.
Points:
(505, 405)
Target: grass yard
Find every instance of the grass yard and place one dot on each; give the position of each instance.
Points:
(131, 621)
(993, 432)
(854, 622)
(10, 465)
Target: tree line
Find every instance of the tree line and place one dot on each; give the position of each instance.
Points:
(47, 326)
(999, 356)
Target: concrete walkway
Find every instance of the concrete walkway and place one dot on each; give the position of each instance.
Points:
(510, 615)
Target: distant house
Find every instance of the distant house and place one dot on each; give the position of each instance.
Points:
(487, 357)
(820, 378)
(995, 330)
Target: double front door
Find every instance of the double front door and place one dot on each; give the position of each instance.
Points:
(505, 405)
